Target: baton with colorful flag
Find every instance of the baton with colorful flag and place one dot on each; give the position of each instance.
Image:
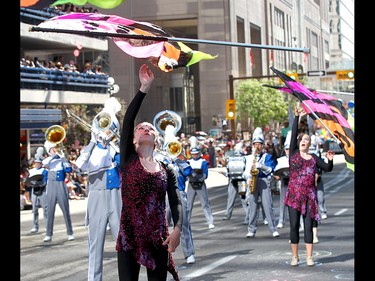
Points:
(142, 39)
(325, 109)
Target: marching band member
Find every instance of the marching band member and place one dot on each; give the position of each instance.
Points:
(38, 191)
(101, 161)
(57, 191)
(184, 170)
(197, 185)
(265, 164)
(283, 164)
(235, 168)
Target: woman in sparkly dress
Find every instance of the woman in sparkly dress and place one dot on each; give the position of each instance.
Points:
(144, 237)
(301, 195)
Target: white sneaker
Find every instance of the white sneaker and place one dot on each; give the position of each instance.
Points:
(310, 261)
(211, 226)
(295, 261)
(250, 234)
(275, 234)
(47, 239)
(324, 216)
(190, 259)
(70, 237)
(34, 230)
(280, 225)
(265, 222)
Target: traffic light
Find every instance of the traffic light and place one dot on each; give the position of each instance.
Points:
(230, 109)
(345, 74)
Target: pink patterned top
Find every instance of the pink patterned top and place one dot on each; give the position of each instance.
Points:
(301, 187)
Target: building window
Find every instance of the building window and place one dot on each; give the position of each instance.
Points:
(176, 99)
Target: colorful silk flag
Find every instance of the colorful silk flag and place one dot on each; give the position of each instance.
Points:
(325, 109)
(105, 4)
(161, 53)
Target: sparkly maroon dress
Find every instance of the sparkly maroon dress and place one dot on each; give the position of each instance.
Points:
(143, 223)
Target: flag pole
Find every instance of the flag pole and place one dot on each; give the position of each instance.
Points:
(163, 38)
(336, 92)
(321, 122)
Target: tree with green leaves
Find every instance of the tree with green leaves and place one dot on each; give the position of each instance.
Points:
(264, 105)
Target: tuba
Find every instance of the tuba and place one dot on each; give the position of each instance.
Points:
(102, 122)
(168, 123)
(254, 173)
(56, 134)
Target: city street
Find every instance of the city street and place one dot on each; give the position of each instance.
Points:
(223, 253)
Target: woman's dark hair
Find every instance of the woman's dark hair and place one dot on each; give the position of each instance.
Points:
(299, 138)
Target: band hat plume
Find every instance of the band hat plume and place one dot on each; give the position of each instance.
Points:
(258, 135)
(287, 140)
(113, 106)
(39, 152)
(48, 145)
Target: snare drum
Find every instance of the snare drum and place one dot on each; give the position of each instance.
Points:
(282, 167)
(235, 167)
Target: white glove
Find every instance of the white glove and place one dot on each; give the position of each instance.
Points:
(93, 138)
(102, 137)
(258, 165)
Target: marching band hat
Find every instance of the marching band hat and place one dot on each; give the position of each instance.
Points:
(194, 150)
(258, 139)
(38, 160)
(258, 135)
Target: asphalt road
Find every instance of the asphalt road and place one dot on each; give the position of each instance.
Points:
(223, 253)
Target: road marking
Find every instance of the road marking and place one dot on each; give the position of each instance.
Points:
(340, 212)
(208, 268)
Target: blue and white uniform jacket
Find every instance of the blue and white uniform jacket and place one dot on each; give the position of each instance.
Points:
(102, 165)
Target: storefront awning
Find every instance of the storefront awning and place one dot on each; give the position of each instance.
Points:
(39, 118)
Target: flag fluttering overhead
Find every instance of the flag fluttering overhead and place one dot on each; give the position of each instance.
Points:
(105, 4)
(325, 109)
(165, 55)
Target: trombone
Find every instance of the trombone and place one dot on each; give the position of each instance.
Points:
(102, 122)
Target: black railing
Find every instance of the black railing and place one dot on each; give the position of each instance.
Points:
(35, 17)
(47, 79)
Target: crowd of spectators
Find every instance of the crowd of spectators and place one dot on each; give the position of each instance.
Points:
(57, 64)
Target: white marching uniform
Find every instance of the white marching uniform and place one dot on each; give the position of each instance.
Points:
(265, 165)
(103, 202)
(200, 190)
(57, 191)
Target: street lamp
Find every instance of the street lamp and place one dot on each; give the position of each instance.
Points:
(113, 88)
